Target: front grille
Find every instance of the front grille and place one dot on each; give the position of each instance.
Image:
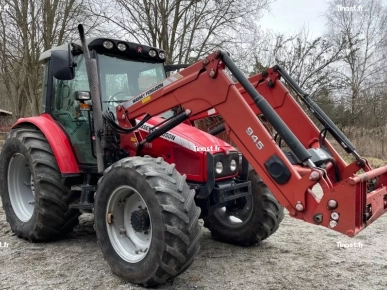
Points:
(187, 162)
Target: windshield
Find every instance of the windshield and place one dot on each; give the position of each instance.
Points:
(123, 79)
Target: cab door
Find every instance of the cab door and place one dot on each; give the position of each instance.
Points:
(65, 110)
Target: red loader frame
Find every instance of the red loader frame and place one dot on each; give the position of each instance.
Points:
(346, 206)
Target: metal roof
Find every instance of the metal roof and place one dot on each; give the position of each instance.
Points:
(46, 54)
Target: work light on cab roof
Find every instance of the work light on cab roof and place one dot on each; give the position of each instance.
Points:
(121, 46)
(162, 54)
(108, 44)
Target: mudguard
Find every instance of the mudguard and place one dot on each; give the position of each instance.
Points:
(57, 139)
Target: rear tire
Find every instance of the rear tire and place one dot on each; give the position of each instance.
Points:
(263, 215)
(32, 189)
(167, 238)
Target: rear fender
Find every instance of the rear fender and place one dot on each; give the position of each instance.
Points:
(57, 139)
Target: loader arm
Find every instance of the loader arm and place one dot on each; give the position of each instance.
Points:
(268, 84)
(345, 207)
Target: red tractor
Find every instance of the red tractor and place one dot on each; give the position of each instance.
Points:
(116, 138)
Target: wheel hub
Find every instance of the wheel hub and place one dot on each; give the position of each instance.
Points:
(130, 231)
(21, 187)
(140, 220)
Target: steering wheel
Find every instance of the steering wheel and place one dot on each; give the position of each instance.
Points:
(113, 98)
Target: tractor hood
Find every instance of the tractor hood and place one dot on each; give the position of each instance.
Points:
(190, 137)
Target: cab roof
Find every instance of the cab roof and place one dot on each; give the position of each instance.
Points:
(132, 50)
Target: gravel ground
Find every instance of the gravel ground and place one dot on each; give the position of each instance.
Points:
(298, 256)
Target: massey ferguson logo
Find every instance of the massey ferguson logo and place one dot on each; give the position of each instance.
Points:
(167, 135)
(147, 93)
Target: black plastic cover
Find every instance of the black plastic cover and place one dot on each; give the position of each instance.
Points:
(277, 169)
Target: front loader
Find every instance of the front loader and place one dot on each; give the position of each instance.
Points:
(348, 204)
(110, 141)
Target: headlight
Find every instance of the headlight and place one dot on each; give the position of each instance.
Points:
(219, 167)
(152, 53)
(121, 46)
(233, 165)
(108, 44)
(162, 54)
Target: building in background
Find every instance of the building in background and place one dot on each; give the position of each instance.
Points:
(5, 121)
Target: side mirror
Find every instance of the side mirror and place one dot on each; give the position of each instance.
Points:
(82, 96)
(62, 65)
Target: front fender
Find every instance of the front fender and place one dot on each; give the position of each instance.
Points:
(57, 139)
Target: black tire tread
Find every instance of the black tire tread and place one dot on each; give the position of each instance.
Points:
(272, 216)
(179, 215)
(53, 214)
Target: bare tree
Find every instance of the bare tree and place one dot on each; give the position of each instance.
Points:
(362, 25)
(187, 30)
(27, 28)
(310, 61)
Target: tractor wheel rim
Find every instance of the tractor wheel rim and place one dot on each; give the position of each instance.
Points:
(235, 218)
(130, 244)
(21, 187)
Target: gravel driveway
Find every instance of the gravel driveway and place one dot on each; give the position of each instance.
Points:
(298, 256)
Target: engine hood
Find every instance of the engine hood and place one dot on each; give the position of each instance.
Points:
(190, 137)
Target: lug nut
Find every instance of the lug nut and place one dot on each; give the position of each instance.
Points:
(299, 206)
(335, 216)
(332, 223)
(332, 204)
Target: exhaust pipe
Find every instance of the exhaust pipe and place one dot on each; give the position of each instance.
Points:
(92, 74)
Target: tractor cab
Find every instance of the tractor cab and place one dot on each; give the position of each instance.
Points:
(125, 70)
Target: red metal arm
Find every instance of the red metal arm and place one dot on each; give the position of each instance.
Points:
(279, 97)
(204, 86)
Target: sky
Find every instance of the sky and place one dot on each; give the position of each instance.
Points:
(289, 16)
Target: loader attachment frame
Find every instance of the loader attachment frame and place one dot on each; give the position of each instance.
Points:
(346, 206)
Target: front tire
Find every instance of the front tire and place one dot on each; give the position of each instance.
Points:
(146, 220)
(35, 199)
(257, 218)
